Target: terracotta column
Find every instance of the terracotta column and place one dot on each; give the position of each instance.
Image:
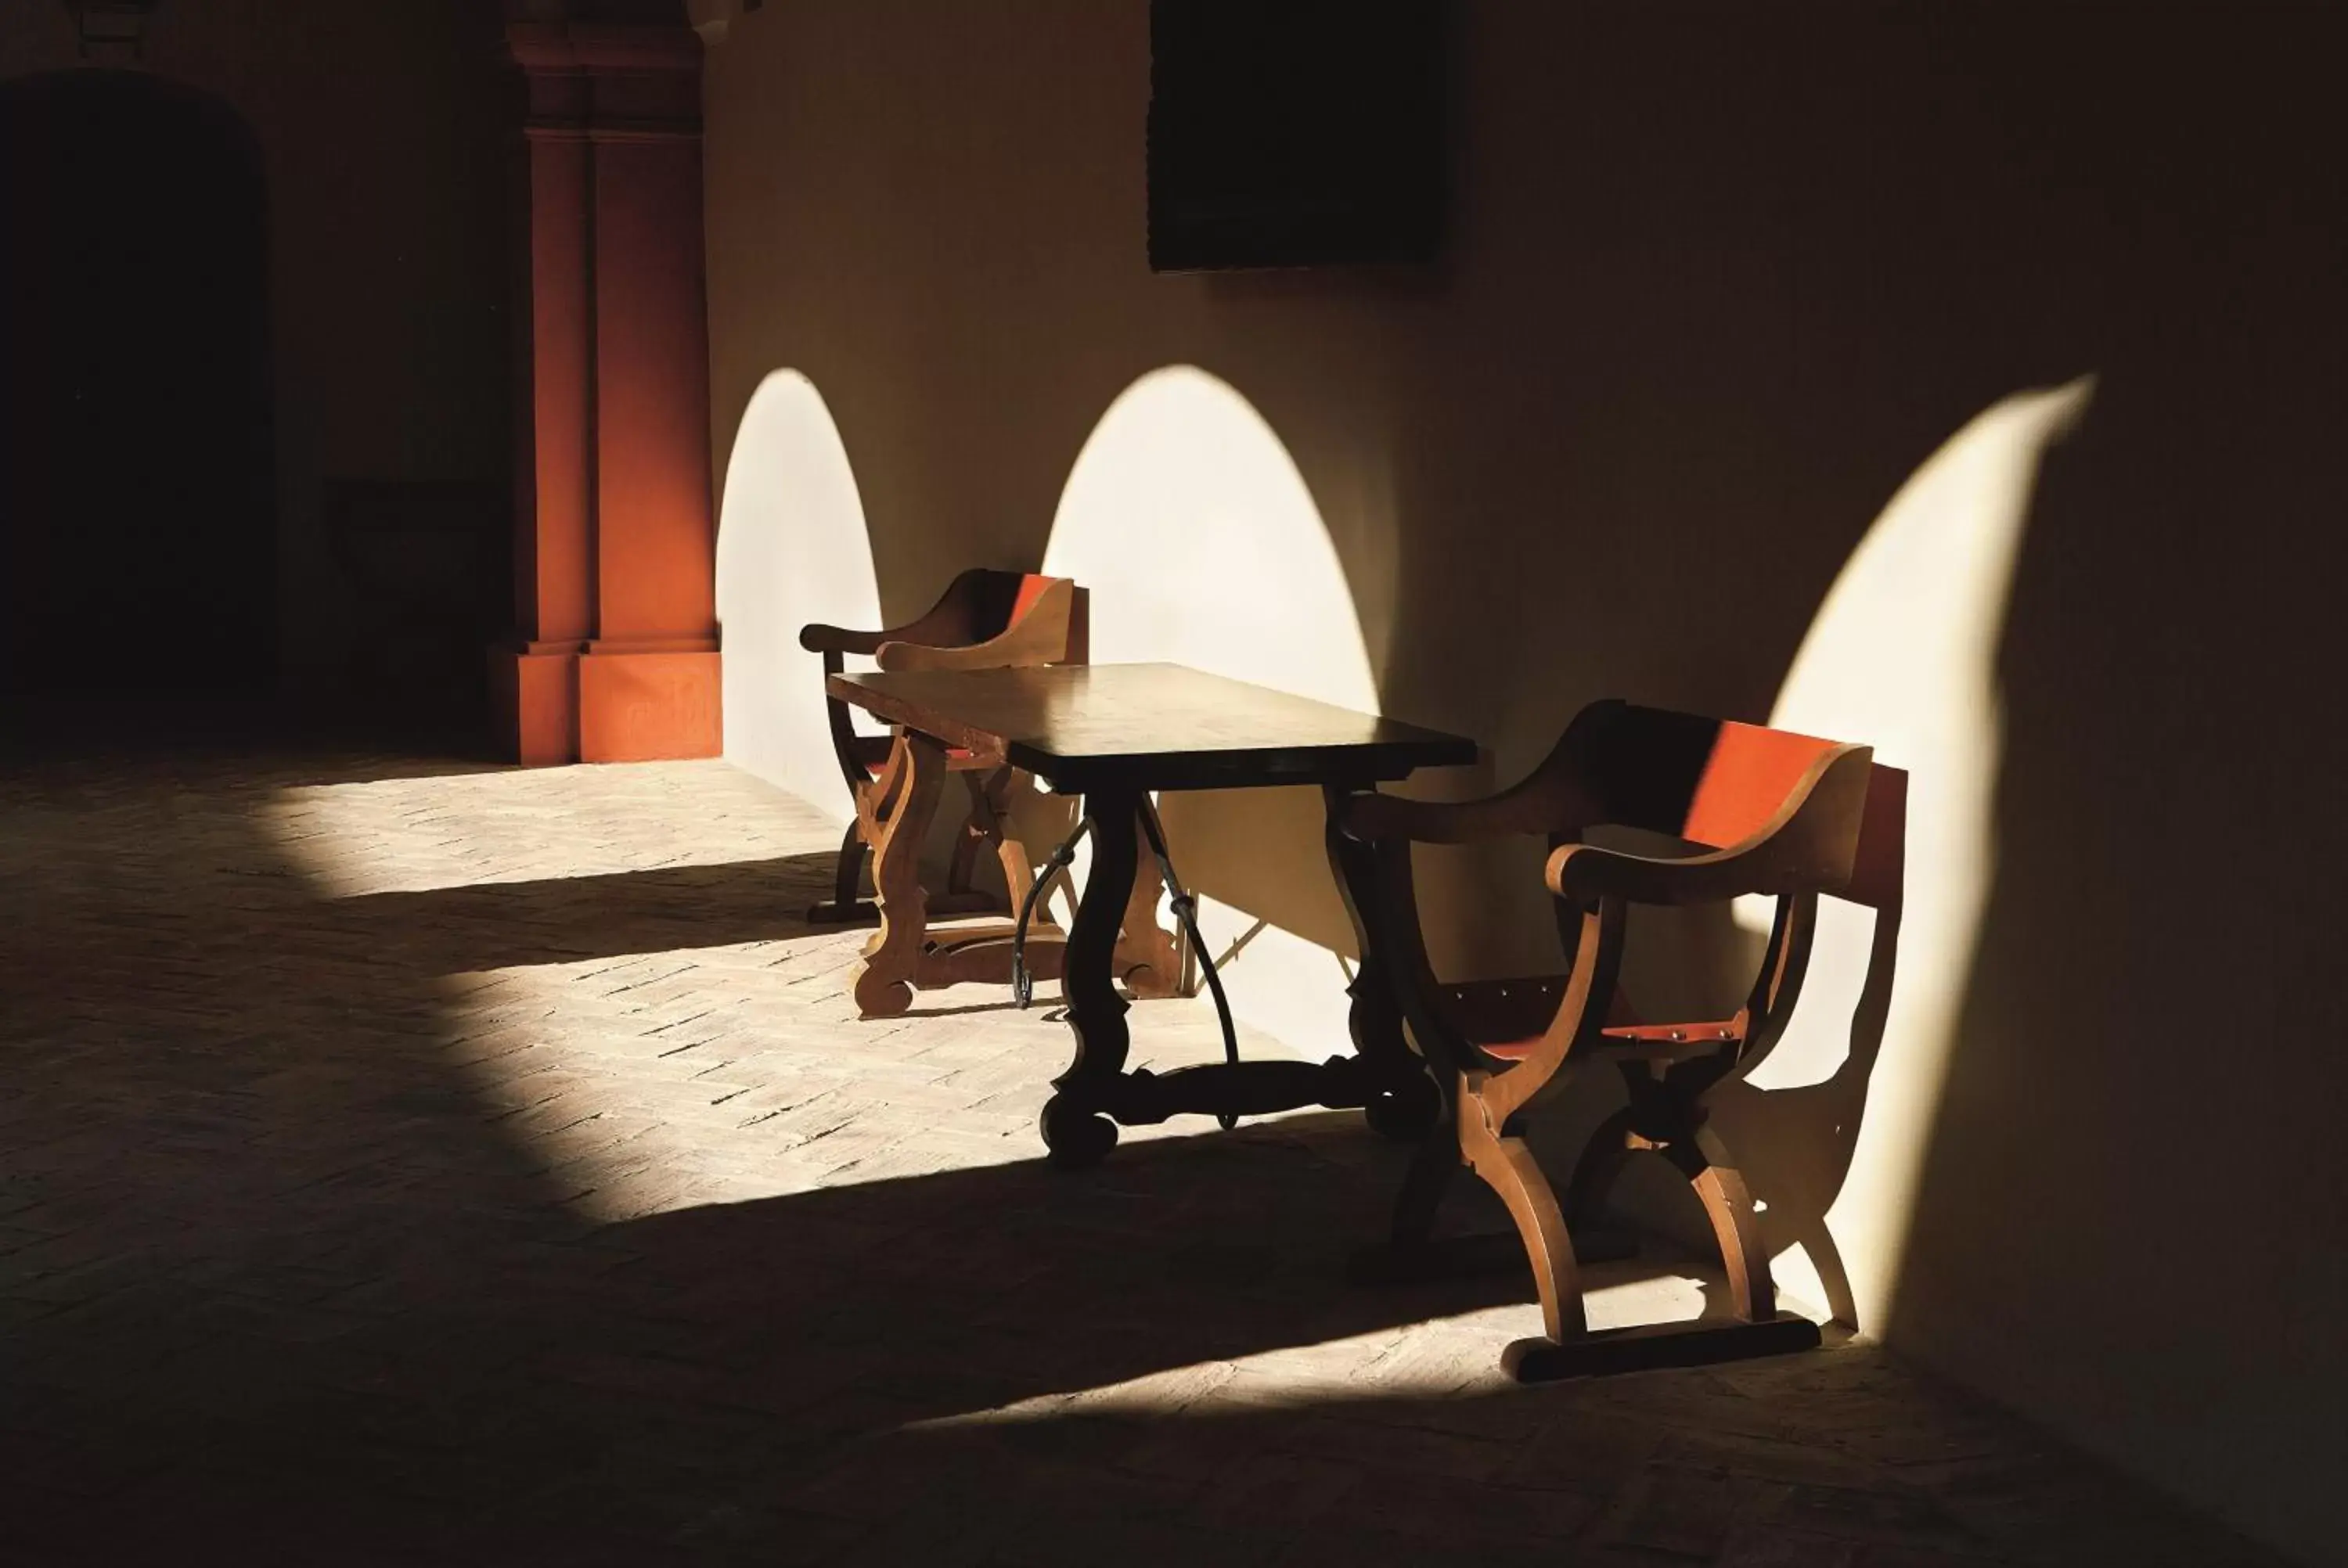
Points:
(615, 653)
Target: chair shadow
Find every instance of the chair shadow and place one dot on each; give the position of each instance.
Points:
(277, 1277)
(539, 1381)
(1795, 1145)
(274, 1268)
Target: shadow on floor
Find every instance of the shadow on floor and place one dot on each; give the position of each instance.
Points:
(560, 920)
(276, 1281)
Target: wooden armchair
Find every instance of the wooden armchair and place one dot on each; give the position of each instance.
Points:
(984, 620)
(1769, 812)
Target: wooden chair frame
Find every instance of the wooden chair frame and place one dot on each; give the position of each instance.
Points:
(1777, 815)
(986, 620)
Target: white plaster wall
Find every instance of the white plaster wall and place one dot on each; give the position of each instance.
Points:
(791, 549)
(1629, 455)
(1903, 655)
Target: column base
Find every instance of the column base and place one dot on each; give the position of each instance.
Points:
(558, 703)
(534, 702)
(649, 705)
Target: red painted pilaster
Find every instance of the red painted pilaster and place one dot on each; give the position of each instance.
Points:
(615, 653)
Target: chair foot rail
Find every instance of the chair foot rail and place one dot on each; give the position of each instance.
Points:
(1651, 1346)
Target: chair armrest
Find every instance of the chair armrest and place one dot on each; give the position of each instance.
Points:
(945, 623)
(988, 655)
(818, 637)
(1553, 801)
(1040, 637)
(1582, 873)
(1808, 847)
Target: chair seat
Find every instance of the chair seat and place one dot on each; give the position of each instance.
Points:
(1664, 1039)
(1506, 1019)
(872, 755)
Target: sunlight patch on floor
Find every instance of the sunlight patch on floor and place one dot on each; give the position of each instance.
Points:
(535, 824)
(1442, 1357)
(742, 1072)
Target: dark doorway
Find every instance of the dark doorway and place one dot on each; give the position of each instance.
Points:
(138, 531)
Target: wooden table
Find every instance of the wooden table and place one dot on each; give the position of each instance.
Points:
(1113, 733)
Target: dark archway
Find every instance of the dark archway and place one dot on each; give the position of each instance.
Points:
(137, 537)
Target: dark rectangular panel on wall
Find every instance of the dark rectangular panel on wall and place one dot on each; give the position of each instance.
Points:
(1289, 133)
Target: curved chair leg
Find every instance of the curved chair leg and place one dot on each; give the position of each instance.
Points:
(1508, 1168)
(1410, 1251)
(1704, 1161)
(846, 906)
(883, 985)
(1010, 849)
(979, 831)
(1432, 1171)
(1764, 1331)
(1602, 1163)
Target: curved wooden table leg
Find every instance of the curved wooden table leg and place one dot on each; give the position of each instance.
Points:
(884, 980)
(1148, 957)
(1072, 1128)
(1409, 1104)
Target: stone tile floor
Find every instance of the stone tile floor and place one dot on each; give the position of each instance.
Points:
(406, 1162)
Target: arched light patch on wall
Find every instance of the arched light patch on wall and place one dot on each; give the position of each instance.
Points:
(1903, 655)
(791, 548)
(1188, 519)
(1199, 542)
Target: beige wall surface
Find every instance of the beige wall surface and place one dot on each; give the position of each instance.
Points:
(1733, 290)
(384, 127)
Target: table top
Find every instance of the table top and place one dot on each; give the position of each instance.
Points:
(1087, 727)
